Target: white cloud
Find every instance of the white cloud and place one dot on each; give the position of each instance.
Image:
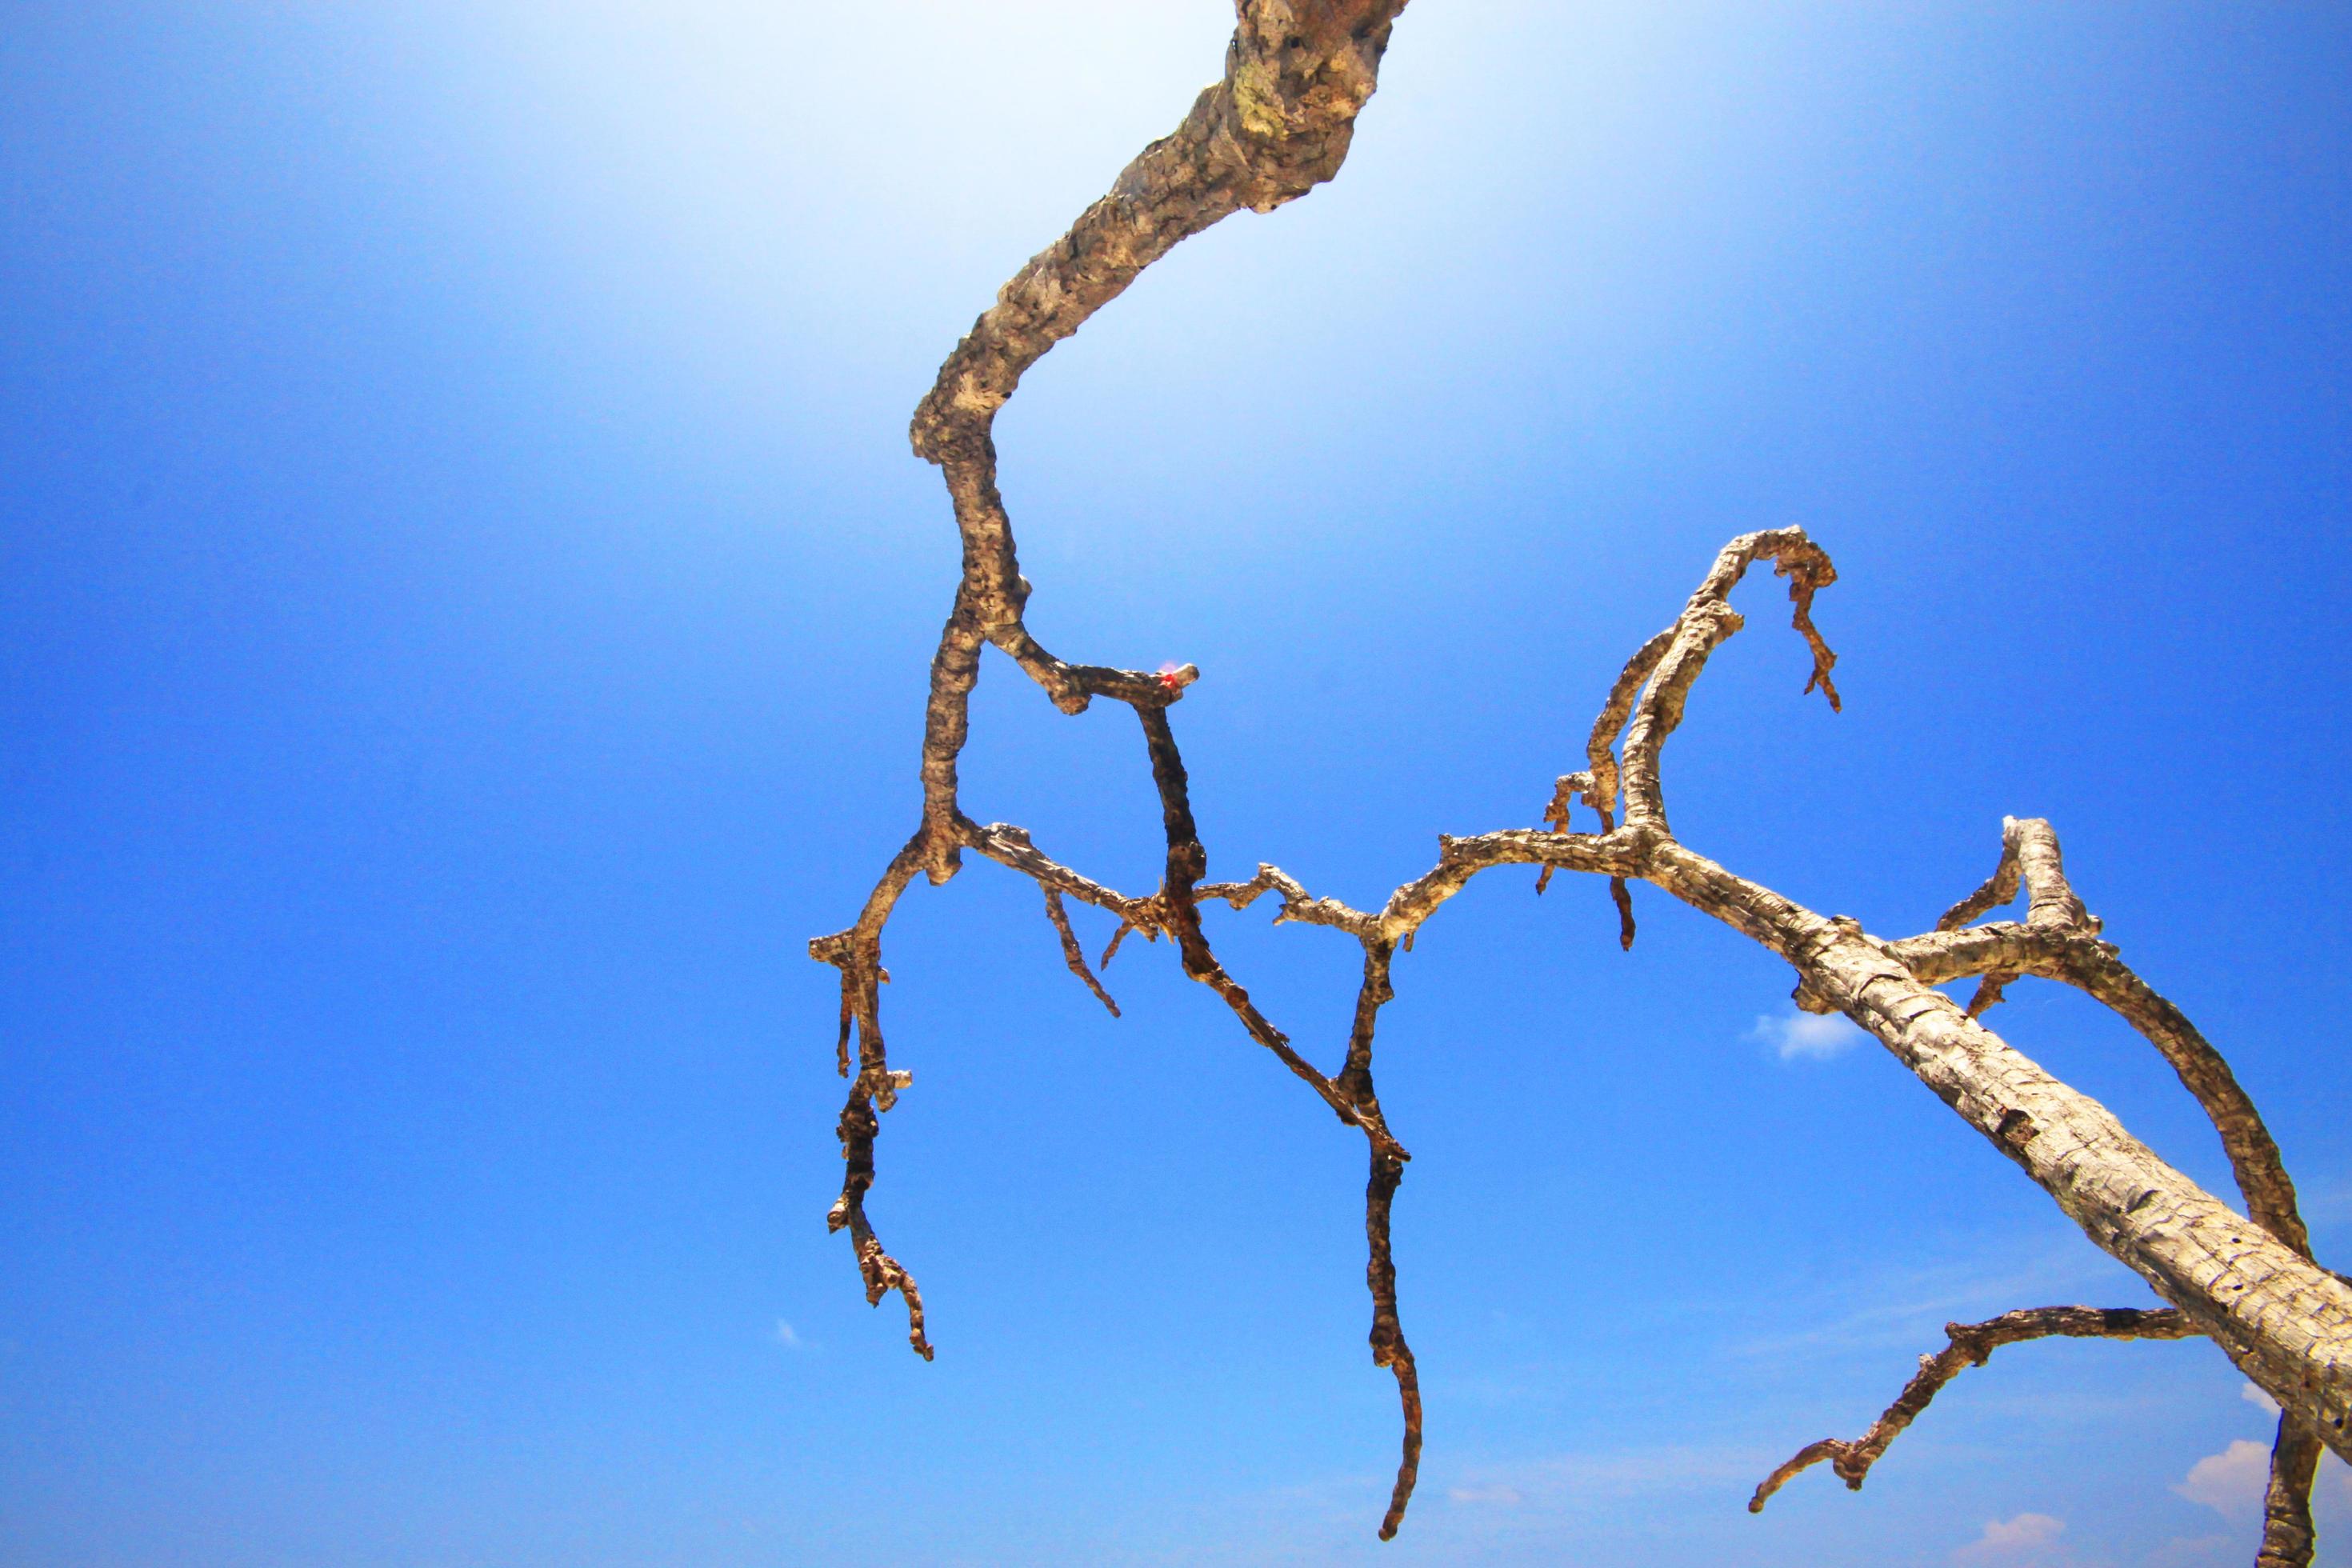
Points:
(1814, 1036)
(2235, 1481)
(786, 1336)
(2230, 1483)
(1495, 1497)
(2028, 1538)
(2258, 1399)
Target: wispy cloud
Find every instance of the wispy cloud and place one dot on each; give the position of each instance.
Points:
(2030, 1538)
(1807, 1037)
(1485, 1496)
(1908, 1305)
(2258, 1400)
(788, 1337)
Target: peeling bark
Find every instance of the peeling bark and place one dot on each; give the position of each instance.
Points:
(1278, 122)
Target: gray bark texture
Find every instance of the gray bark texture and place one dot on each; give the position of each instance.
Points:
(1279, 123)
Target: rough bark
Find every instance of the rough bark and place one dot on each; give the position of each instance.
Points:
(2059, 939)
(1280, 119)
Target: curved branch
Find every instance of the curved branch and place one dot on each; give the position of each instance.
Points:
(1968, 1344)
(1296, 74)
(1277, 125)
(1704, 622)
(1298, 904)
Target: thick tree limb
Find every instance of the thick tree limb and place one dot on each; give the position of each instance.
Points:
(2075, 955)
(2287, 1324)
(2061, 941)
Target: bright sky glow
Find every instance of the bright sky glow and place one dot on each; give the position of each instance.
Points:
(464, 596)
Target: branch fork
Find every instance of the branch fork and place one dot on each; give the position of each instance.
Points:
(1279, 122)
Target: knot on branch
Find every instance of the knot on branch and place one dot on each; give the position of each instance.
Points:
(2030, 860)
(844, 948)
(1279, 123)
(1809, 1000)
(994, 598)
(1296, 77)
(882, 1085)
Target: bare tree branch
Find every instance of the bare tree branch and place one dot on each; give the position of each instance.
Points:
(1072, 954)
(1970, 1345)
(1280, 121)
(2060, 941)
(2289, 1536)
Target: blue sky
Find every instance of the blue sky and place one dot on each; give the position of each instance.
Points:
(464, 606)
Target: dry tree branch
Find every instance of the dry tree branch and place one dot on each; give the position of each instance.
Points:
(1279, 123)
(2285, 1322)
(1072, 954)
(1970, 1344)
(2059, 939)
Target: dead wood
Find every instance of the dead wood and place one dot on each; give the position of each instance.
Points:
(1279, 120)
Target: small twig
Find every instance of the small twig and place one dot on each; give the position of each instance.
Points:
(880, 1271)
(1622, 897)
(1997, 889)
(1807, 575)
(1072, 954)
(1989, 993)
